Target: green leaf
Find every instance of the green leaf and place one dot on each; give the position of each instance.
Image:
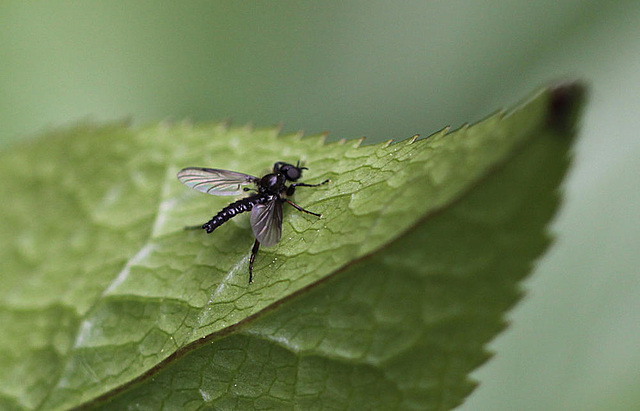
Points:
(385, 302)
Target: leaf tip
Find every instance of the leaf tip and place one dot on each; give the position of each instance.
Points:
(565, 102)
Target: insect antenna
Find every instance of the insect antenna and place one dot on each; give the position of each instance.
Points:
(298, 165)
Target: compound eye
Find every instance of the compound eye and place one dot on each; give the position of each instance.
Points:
(293, 173)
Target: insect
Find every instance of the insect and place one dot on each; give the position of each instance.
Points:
(265, 204)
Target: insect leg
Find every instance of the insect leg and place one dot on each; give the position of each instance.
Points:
(310, 185)
(254, 252)
(297, 207)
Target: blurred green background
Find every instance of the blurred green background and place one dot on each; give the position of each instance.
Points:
(386, 70)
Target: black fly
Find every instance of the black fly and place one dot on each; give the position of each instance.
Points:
(265, 205)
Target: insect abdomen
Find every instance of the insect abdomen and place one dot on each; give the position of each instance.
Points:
(230, 211)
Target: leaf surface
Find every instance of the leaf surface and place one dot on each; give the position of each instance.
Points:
(387, 301)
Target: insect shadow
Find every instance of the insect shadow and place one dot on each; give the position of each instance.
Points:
(265, 204)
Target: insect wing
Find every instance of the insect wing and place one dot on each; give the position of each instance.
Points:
(266, 222)
(214, 181)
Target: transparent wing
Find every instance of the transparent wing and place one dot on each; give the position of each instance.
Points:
(214, 181)
(266, 222)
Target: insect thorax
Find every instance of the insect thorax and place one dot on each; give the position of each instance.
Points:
(273, 183)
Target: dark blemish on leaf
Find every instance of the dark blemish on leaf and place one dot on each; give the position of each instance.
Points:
(565, 102)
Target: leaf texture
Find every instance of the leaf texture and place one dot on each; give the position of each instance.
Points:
(386, 302)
